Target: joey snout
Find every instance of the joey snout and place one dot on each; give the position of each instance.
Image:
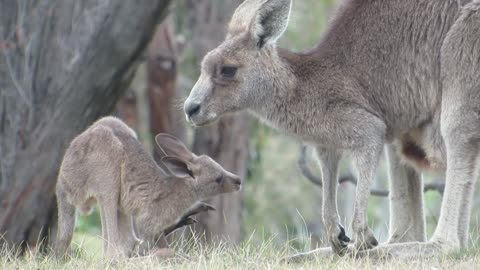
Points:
(230, 183)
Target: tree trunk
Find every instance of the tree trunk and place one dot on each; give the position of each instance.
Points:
(227, 143)
(62, 65)
(149, 106)
(227, 140)
(165, 115)
(162, 73)
(126, 109)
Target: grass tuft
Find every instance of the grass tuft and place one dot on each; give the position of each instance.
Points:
(248, 255)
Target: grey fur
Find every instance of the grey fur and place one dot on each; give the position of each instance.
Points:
(396, 72)
(106, 163)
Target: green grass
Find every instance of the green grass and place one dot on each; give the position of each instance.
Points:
(193, 255)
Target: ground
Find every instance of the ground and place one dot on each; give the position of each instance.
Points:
(246, 256)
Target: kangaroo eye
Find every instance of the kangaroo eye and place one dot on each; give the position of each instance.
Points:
(219, 179)
(228, 71)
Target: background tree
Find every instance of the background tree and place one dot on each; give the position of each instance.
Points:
(62, 65)
(150, 106)
(166, 113)
(152, 103)
(227, 140)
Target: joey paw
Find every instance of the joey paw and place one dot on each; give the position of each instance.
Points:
(207, 207)
(190, 221)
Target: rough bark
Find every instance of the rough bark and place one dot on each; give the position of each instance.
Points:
(62, 65)
(227, 140)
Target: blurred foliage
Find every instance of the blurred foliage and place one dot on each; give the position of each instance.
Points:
(307, 22)
(89, 224)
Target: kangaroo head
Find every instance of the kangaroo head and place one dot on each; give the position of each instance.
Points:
(207, 177)
(242, 69)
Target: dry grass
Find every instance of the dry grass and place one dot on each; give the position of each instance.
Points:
(246, 256)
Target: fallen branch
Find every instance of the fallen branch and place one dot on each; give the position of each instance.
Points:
(317, 180)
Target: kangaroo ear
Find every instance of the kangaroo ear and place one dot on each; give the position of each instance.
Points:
(172, 146)
(266, 20)
(177, 167)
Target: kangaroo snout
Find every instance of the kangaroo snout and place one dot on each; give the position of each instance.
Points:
(237, 181)
(200, 109)
(192, 109)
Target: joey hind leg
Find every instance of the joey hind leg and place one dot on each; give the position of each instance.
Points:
(407, 219)
(104, 229)
(109, 210)
(328, 160)
(66, 225)
(128, 237)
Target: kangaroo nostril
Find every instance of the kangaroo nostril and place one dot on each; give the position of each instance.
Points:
(193, 109)
(237, 181)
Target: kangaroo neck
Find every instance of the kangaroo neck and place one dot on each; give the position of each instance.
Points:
(294, 75)
(275, 91)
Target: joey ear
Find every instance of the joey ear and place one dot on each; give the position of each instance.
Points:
(266, 20)
(172, 146)
(177, 167)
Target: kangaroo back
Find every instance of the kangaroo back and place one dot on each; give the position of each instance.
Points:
(90, 169)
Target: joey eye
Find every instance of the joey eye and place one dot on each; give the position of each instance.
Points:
(228, 71)
(219, 179)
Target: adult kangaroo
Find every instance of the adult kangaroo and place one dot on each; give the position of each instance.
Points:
(401, 73)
